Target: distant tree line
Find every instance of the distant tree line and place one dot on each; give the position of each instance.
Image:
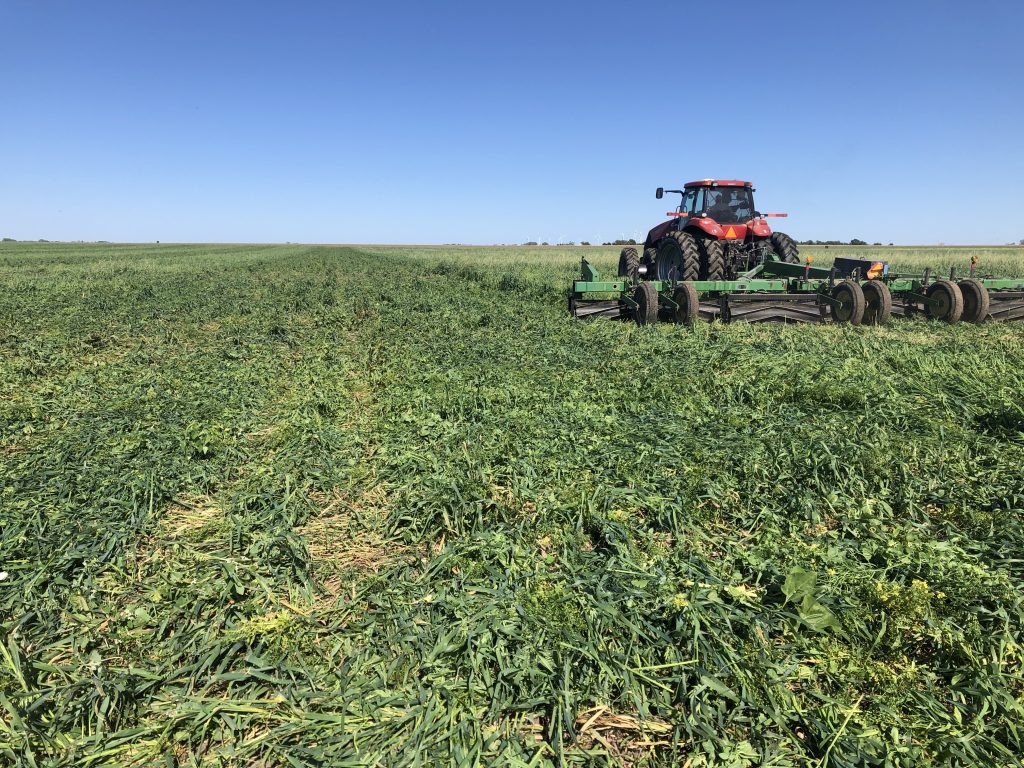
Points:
(854, 241)
(571, 242)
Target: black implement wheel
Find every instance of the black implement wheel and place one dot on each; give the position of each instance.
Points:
(712, 258)
(946, 301)
(572, 303)
(629, 264)
(678, 257)
(878, 302)
(976, 300)
(785, 248)
(687, 304)
(850, 309)
(646, 298)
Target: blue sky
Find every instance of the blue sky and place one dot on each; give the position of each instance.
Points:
(488, 123)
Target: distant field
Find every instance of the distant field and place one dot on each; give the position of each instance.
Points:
(322, 505)
(1006, 261)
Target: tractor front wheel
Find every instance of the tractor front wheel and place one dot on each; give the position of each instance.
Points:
(785, 248)
(646, 298)
(946, 302)
(629, 264)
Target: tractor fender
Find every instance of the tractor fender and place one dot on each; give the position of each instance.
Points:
(659, 232)
(759, 228)
(706, 225)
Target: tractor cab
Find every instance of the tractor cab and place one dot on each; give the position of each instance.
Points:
(722, 208)
(724, 204)
(730, 204)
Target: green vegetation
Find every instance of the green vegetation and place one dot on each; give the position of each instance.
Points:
(322, 506)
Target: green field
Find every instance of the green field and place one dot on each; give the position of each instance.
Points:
(319, 506)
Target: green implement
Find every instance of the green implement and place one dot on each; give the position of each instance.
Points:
(852, 291)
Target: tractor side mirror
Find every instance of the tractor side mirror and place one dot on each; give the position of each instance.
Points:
(659, 192)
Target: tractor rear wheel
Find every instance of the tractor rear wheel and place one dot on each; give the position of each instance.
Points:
(646, 298)
(850, 308)
(785, 248)
(947, 303)
(629, 264)
(687, 304)
(878, 302)
(976, 300)
(712, 258)
(678, 257)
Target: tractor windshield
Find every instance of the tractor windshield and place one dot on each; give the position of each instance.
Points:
(730, 205)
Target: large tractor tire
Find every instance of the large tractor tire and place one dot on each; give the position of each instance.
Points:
(629, 264)
(678, 257)
(712, 258)
(785, 248)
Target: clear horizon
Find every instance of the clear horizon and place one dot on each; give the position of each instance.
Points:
(462, 123)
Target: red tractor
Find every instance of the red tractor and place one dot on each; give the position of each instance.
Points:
(714, 234)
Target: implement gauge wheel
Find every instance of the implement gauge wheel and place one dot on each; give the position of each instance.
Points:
(629, 264)
(976, 300)
(878, 302)
(850, 308)
(687, 304)
(646, 298)
(947, 302)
